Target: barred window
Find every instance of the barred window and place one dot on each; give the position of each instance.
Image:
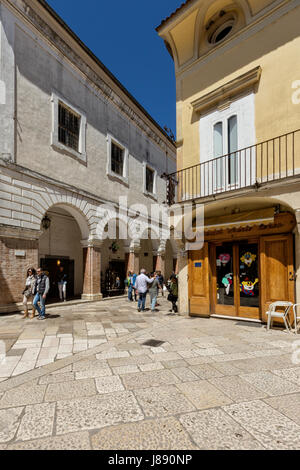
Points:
(117, 159)
(68, 127)
(149, 180)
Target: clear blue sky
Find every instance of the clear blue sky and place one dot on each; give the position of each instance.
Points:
(122, 35)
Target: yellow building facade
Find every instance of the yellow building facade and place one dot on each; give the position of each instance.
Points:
(238, 143)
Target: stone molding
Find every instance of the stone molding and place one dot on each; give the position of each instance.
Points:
(225, 92)
(7, 231)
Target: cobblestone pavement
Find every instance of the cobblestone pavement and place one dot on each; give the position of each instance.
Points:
(208, 383)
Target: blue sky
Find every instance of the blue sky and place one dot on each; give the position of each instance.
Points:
(122, 35)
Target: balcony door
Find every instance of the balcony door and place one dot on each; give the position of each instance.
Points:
(224, 136)
(226, 163)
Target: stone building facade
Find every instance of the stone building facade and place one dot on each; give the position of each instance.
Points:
(72, 139)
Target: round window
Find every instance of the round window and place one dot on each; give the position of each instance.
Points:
(221, 29)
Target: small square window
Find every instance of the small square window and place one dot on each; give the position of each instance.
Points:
(68, 127)
(117, 159)
(149, 180)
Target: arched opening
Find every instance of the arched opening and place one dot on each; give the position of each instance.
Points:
(61, 250)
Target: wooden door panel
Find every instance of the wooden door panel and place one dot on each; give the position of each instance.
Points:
(276, 266)
(199, 294)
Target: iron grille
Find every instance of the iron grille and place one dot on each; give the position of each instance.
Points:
(149, 180)
(68, 127)
(117, 159)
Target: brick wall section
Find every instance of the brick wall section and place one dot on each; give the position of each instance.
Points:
(13, 269)
(92, 271)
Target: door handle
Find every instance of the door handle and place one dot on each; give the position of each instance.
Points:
(293, 277)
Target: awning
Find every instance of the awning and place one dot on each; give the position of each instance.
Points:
(242, 219)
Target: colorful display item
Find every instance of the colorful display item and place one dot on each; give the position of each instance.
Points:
(224, 258)
(247, 287)
(227, 282)
(248, 258)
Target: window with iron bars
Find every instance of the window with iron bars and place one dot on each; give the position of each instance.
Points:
(68, 127)
(149, 180)
(117, 159)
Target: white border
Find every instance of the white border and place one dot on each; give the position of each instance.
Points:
(122, 178)
(81, 154)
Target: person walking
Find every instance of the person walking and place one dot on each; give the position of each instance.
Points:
(153, 291)
(161, 281)
(41, 290)
(129, 286)
(141, 285)
(29, 292)
(62, 284)
(134, 277)
(173, 295)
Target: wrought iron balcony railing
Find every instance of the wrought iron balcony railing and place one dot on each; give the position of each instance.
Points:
(272, 160)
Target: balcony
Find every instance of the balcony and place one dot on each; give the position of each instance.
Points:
(273, 160)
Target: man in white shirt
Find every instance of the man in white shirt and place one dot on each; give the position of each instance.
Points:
(141, 286)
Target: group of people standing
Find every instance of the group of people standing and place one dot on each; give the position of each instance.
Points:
(139, 286)
(37, 286)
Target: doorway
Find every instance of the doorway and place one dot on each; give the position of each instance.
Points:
(51, 265)
(236, 279)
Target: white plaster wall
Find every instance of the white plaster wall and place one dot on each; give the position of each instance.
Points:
(63, 239)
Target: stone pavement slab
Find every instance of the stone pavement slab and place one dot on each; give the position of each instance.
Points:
(237, 389)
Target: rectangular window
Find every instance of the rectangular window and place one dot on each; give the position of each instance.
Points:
(232, 148)
(68, 127)
(117, 159)
(149, 180)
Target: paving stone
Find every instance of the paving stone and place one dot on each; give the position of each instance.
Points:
(112, 354)
(162, 401)
(237, 389)
(97, 412)
(167, 356)
(203, 394)
(98, 371)
(215, 430)
(23, 395)
(185, 374)
(126, 361)
(109, 384)
(292, 375)
(9, 422)
(193, 361)
(274, 430)
(37, 422)
(151, 366)
(57, 378)
(270, 383)
(226, 368)
(149, 379)
(123, 370)
(158, 434)
(205, 371)
(75, 441)
(174, 364)
(69, 390)
(287, 405)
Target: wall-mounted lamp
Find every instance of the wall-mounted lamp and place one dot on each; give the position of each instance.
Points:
(46, 222)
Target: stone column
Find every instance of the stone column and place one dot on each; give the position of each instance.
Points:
(161, 258)
(183, 280)
(297, 255)
(134, 257)
(91, 269)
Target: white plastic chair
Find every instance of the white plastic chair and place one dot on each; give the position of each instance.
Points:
(296, 317)
(272, 313)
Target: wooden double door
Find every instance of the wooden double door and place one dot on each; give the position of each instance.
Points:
(241, 278)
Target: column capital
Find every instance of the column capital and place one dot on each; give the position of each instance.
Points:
(91, 243)
(135, 246)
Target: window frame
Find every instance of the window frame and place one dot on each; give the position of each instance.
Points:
(145, 191)
(124, 178)
(56, 99)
